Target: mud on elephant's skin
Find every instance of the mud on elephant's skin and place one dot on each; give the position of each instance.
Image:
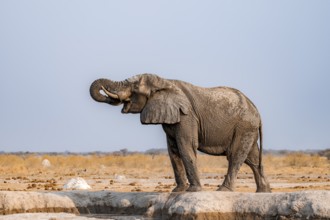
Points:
(216, 121)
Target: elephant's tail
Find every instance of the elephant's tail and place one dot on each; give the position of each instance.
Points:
(260, 143)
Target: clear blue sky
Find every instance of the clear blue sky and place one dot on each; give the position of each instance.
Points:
(276, 52)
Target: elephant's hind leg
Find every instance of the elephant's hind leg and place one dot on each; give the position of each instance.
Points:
(253, 162)
(237, 154)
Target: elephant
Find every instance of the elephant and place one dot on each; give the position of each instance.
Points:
(219, 121)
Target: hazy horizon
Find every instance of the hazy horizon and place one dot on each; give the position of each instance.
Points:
(277, 53)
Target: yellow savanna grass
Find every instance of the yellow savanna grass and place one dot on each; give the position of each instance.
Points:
(298, 160)
(27, 163)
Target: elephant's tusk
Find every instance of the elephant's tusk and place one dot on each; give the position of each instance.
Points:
(111, 95)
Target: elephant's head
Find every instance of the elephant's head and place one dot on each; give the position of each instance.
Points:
(158, 100)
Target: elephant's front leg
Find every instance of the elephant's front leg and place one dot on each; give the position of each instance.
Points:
(177, 164)
(189, 159)
(187, 142)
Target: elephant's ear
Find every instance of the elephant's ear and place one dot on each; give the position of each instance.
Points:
(165, 107)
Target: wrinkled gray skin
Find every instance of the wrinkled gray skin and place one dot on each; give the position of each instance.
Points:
(216, 121)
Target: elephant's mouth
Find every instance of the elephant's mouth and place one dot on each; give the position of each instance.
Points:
(127, 102)
(127, 107)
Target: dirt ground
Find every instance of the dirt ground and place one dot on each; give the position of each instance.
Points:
(153, 173)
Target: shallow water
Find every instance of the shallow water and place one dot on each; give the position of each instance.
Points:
(119, 217)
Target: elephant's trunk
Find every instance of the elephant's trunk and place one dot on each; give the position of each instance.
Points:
(95, 91)
(114, 92)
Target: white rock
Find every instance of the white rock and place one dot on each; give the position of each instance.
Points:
(119, 177)
(46, 163)
(76, 183)
(125, 203)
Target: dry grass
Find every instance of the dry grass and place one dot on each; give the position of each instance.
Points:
(25, 172)
(23, 164)
(298, 160)
(296, 163)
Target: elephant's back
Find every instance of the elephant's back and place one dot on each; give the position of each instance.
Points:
(230, 106)
(240, 105)
(221, 105)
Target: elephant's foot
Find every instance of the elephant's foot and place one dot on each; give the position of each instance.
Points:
(265, 189)
(194, 188)
(224, 188)
(180, 188)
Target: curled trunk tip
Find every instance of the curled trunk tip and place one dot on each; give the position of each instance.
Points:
(94, 91)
